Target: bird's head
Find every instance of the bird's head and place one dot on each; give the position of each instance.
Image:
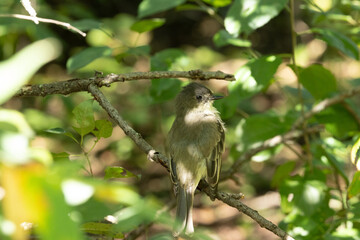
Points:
(194, 96)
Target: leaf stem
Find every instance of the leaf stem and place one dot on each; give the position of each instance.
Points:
(299, 87)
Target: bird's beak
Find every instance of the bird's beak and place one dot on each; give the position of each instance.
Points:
(216, 97)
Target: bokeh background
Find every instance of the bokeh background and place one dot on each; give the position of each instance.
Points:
(191, 32)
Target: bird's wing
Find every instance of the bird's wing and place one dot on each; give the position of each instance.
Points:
(213, 163)
(173, 175)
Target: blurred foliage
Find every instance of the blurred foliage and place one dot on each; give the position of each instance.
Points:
(64, 165)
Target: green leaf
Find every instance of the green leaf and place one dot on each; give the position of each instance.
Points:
(139, 51)
(63, 156)
(149, 7)
(253, 77)
(339, 41)
(223, 38)
(84, 117)
(62, 132)
(40, 121)
(350, 233)
(56, 130)
(162, 90)
(338, 121)
(260, 127)
(147, 25)
(337, 165)
(118, 172)
(244, 16)
(306, 196)
(18, 69)
(319, 81)
(101, 229)
(86, 24)
(169, 59)
(282, 172)
(355, 154)
(58, 210)
(86, 56)
(354, 188)
(103, 128)
(218, 3)
(188, 7)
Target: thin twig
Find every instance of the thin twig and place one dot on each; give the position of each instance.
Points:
(78, 85)
(325, 104)
(233, 200)
(351, 111)
(129, 131)
(272, 142)
(45, 20)
(299, 87)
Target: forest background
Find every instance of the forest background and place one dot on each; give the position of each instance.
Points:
(87, 90)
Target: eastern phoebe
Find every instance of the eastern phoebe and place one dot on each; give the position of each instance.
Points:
(195, 143)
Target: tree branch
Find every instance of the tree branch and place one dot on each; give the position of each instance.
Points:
(324, 104)
(45, 20)
(235, 202)
(229, 199)
(294, 133)
(78, 85)
(271, 142)
(129, 131)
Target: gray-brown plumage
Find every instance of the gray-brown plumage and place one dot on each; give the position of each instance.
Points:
(195, 144)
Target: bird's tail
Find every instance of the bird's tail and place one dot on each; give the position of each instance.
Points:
(184, 222)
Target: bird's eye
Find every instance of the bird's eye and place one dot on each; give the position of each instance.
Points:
(199, 97)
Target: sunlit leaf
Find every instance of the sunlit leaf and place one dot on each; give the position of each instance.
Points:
(18, 69)
(282, 172)
(218, 3)
(354, 188)
(117, 193)
(101, 229)
(149, 7)
(223, 38)
(62, 156)
(260, 127)
(84, 116)
(104, 128)
(56, 130)
(339, 41)
(338, 121)
(319, 81)
(188, 7)
(308, 197)
(252, 78)
(139, 213)
(355, 154)
(169, 59)
(76, 192)
(147, 25)
(86, 56)
(340, 168)
(118, 172)
(244, 16)
(15, 134)
(33, 195)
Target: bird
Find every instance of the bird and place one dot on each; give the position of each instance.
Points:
(195, 145)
